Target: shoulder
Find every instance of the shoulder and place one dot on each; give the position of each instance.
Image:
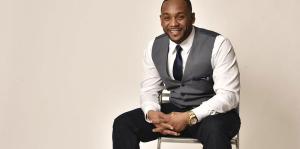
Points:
(222, 41)
(206, 32)
(154, 40)
(219, 39)
(161, 41)
(161, 37)
(222, 48)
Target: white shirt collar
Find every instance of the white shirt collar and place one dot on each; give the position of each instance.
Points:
(186, 45)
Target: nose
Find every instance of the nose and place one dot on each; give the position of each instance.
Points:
(174, 22)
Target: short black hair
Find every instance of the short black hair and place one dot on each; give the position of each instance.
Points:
(188, 3)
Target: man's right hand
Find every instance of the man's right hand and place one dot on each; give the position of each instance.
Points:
(160, 121)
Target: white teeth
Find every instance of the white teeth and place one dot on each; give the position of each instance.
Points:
(175, 31)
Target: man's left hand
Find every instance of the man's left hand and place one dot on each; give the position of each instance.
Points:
(179, 120)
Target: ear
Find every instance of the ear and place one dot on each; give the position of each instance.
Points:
(193, 17)
(161, 19)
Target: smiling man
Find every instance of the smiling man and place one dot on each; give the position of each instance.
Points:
(200, 70)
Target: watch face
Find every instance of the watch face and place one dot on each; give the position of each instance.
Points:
(193, 121)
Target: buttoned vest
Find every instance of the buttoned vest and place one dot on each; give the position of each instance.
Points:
(196, 85)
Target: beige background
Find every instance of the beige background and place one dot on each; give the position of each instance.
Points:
(69, 67)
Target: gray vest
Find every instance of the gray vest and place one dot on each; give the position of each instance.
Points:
(196, 85)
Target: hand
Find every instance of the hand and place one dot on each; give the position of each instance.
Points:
(160, 121)
(179, 120)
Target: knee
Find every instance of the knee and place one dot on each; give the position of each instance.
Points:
(120, 121)
(213, 129)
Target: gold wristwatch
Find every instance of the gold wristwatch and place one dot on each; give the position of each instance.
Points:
(192, 118)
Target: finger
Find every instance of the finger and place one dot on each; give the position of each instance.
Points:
(155, 121)
(164, 118)
(162, 126)
(158, 129)
(170, 132)
(167, 126)
(172, 114)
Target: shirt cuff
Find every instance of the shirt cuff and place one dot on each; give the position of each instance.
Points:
(146, 109)
(203, 111)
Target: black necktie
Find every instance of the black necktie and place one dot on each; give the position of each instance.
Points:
(177, 67)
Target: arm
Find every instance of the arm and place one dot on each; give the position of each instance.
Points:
(226, 81)
(150, 88)
(151, 84)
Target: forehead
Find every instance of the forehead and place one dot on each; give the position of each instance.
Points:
(174, 6)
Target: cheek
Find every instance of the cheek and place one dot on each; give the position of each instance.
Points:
(181, 24)
(185, 23)
(164, 24)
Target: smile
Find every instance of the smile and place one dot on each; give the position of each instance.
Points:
(174, 31)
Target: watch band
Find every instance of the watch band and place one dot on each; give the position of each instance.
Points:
(192, 118)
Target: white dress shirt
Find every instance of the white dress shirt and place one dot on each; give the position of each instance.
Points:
(225, 76)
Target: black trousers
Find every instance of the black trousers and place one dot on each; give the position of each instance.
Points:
(214, 132)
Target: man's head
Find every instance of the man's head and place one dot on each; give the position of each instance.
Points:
(177, 19)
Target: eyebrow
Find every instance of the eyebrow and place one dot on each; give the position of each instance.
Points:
(175, 14)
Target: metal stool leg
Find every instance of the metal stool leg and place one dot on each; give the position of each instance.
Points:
(158, 142)
(237, 145)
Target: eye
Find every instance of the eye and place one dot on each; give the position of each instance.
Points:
(166, 18)
(180, 17)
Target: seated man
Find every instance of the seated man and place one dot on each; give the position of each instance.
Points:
(200, 70)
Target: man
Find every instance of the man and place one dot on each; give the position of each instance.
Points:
(199, 69)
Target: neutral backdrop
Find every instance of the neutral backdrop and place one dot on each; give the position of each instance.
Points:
(69, 67)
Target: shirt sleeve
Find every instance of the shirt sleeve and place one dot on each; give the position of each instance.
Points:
(151, 84)
(226, 81)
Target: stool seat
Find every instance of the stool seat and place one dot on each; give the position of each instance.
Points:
(234, 140)
(189, 140)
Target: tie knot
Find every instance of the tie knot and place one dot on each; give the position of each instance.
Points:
(178, 48)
